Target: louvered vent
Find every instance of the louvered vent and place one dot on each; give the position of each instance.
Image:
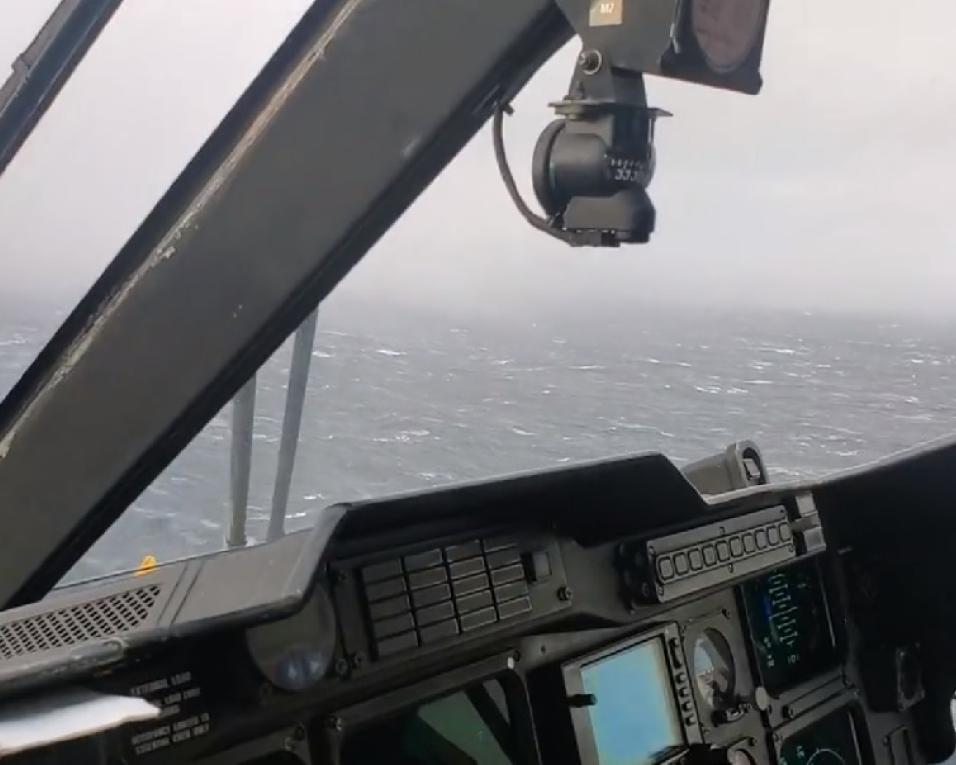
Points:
(111, 615)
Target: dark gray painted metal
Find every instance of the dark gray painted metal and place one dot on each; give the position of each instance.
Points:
(240, 461)
(198, 595)
(357, 112)
(43, 68)
(291, 422)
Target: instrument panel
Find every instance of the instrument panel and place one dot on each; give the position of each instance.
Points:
(511, 638)
(749, 674)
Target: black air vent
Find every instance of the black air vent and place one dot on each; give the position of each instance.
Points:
(112, 615)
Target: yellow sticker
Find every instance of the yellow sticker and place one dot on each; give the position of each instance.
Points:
(147, 564)
(607, 13)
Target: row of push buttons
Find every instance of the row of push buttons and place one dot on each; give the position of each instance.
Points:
(702, 557)
(688, 713)
(439, 593)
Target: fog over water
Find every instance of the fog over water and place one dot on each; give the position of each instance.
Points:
(823, 193)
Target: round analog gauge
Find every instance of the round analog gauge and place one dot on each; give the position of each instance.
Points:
(727, 30)
(714, 670)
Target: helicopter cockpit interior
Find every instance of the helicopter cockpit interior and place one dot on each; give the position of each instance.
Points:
(617, 612)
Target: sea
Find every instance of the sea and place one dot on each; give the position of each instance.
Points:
(402, 398)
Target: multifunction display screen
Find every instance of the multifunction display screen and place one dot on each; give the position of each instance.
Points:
(470, 727)
(789, 626)
(829, 740)
(634, 719)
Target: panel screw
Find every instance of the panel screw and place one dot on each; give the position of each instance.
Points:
(340, 577)
(565, 594)
(358, 660)
(341, 667)
(333, 723)
(295, 738)
(591, 61)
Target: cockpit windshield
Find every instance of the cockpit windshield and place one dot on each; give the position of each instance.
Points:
(798, 293)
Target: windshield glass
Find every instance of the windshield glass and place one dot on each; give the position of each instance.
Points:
(797, 291)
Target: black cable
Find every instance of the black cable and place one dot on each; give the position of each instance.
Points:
(542, 224)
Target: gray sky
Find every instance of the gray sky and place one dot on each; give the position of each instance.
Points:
(830, 190)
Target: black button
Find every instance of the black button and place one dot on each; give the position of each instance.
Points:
(469, 585)
(723, 551)
(434, 613)
(683, 692)
(384, 570)
(749, 544)
(736, 547)
(507, 574)
(498, 543)
(421, 560)
(390, 607)
(686, 706)
(540, 567)
(510, 591)
(785, 532)
(395, 644)
(691, 719)
(710, 555)
(680, 563)
(760, 538)
(696, 560)
(474, 602)
(431, 595)
(514, 607)
(422, 579)
(438, 631)
(665, 568)
(393, 626)
(468, 567)
(503, 558)
(387, 589)
(478, 619)
(773, 536)
(462, 551)
(681, 677)
(677, 658)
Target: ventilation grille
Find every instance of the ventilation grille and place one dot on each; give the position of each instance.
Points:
(112, 615)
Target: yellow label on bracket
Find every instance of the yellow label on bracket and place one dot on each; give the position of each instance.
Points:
(606, 13)
(147, 564)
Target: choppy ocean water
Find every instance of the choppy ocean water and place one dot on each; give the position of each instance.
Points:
(399, 402)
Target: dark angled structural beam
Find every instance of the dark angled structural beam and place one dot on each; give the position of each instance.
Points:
(43, 68)
(362, 106)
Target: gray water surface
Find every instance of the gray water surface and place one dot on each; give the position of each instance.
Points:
(398, 401)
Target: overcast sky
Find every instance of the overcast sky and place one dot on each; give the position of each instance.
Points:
(833, 189)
